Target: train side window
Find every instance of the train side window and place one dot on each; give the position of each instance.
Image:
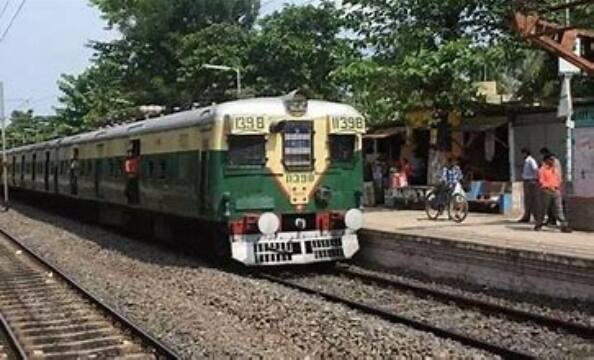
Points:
(342, 147)
(247, 150)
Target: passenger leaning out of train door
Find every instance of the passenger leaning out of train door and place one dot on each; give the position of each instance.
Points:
(131, 166)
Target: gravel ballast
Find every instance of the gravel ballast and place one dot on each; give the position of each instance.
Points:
(525, 337)
(201, 311)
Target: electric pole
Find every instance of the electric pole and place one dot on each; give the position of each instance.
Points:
(4, 161)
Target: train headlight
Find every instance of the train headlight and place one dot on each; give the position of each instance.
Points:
(268, 223)
(353, 219)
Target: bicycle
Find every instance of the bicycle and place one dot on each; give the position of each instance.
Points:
(440, 198)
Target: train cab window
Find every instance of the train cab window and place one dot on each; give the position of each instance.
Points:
(298, 144)
(247, 150)
(342, 148)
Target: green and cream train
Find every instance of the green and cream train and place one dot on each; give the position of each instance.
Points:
(280, 179)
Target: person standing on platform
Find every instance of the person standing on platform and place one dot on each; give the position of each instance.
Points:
(551, 219)
(550, 187)
(530, 182)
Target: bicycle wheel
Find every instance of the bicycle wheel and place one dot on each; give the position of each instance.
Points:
(458, 208)
(432, 205)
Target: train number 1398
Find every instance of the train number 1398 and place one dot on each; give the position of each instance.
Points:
(348, 123)
(249, 123)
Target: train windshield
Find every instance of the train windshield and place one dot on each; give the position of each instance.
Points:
(342, 148)
(298, 149)
(247, 150)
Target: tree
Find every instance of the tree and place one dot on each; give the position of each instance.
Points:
(300, 47)
(90, 99)
(429, 53)
(153, 31)
(220, 44)
(27, 128)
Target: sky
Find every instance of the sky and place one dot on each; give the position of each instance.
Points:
(47, 39)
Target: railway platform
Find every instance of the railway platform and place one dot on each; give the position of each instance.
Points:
(486, 250)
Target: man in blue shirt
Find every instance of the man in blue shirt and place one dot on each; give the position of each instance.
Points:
(451, 174)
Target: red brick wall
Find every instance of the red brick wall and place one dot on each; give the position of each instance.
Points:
(580, 213)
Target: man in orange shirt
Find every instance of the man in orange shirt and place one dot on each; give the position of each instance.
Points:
(549, 181)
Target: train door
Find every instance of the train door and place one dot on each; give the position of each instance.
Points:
(73, 169)
(204, 176)
(99, 171)
(46, 171)
(33, 170)
(132, 169)
(23, 169)
(14, 167)
(55, 168)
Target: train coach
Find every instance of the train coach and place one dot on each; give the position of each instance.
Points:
(271, 180)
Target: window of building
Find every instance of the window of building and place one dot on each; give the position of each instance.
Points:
(342, 147)
(298, 144)
(247, 150)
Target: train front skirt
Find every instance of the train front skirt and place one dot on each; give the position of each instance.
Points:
(288, 248)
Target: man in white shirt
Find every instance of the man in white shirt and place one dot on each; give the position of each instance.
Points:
(530, 179)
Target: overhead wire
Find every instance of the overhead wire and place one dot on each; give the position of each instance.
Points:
(4, 8)
(12, 20)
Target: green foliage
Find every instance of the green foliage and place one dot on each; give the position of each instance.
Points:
(386, 57)
(220, 44)
(427, 54)
(26, 128)
(299, 47)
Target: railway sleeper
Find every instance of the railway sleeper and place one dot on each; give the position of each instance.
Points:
(105, 352)
(28, 292)
(45, 330)
(51, 297)
(22, 279)
(19, 325)
(72, 335)
(85, 344)
(36, 312)
(40, 304)
(79, 315)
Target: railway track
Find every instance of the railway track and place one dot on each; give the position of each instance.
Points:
(47, 315)
(435, 311)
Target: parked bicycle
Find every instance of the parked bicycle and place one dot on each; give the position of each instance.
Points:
(442, 198)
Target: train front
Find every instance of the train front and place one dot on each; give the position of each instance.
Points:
(293, 180)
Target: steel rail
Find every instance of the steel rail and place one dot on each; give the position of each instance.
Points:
(163, 351)
(581, 330)
(13, 341)
(397, 318)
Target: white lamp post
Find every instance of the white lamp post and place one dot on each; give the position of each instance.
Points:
(227, 68)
